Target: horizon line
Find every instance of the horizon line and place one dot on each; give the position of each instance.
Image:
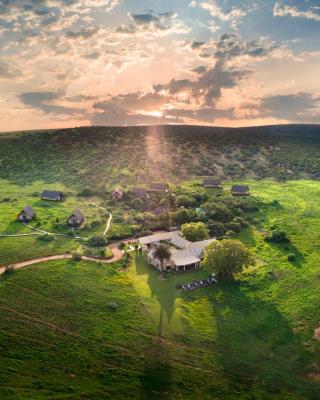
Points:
(160, 125)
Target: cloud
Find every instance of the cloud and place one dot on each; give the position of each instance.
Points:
(299, 107)
(9, 71)
(114, 114)
(197, 45)
(190, 100)
(292, 11)
(47, 102)
(233, 16)
(154, 23)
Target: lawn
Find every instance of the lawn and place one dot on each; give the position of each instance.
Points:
(248, 340)
(51, 217)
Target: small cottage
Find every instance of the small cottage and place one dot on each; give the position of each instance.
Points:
(209, 182)
(158, 188)
(139, 192)
(117, 195)
(52, 195)
(240, 190)
(76, 219)
(27, 214)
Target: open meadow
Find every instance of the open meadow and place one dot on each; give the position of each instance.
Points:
(253, 339)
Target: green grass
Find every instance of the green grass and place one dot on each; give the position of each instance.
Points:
(249, 340)
(51, 217)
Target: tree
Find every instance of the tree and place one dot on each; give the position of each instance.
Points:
(97, 241)
(162, 253)
(171, 200)
(218, 211)
(195, 231)
(226, 258)
(76, 255)
(277, 236)
(186, 201)
(184, 215)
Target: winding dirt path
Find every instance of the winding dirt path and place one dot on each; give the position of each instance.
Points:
(109, 219)
(50, 233)
(117, 255)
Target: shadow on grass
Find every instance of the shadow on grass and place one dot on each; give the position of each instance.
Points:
(258, 350)
(165, 291)
(289, 249)
(156, 378)
(247, 237)
(14, 228)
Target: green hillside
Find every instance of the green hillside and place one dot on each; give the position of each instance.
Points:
(101, 157)
(253, 339)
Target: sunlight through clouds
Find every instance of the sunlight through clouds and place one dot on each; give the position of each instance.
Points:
(195, 62)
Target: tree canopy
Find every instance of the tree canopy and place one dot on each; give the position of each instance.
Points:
(226, 258)
(162, 253)
(195, 231)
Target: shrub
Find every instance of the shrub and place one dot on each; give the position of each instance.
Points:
(218, 212)
(107, 253)
(233, 226)
(195, 231)
(87, 192)
(46, 238)
(95, 223)
(97, 241)
(76, 255)
(241, 221)
(112, 306)
(9, 270)
(291, 257)
(216, 228)
(138, 204)
(186, 201)
(183, 216)
(277, 236)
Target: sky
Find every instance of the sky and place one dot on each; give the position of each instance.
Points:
(66, 63)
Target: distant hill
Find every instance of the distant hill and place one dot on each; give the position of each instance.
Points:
(104, 157)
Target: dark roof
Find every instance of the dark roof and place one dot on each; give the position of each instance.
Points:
(240, 188)
(140, 192)
(158, 187)
(51, 194)
(209, 181)
(77, 213)
(28, 211)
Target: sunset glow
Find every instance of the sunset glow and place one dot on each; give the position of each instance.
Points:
(67, 63)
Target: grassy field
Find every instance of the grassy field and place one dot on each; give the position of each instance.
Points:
(249, 340)
(51, 217)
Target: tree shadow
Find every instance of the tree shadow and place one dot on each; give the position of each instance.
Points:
(164, 291)
(13, 228)
(247, 237)
(289, 249)
(258, 351)
(156, 378)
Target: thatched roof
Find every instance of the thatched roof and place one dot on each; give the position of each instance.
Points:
(139, 192)
(28, 212)
(78, 214)
(52, 195)
(158, 187)
(212, 182)
(240, 189)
